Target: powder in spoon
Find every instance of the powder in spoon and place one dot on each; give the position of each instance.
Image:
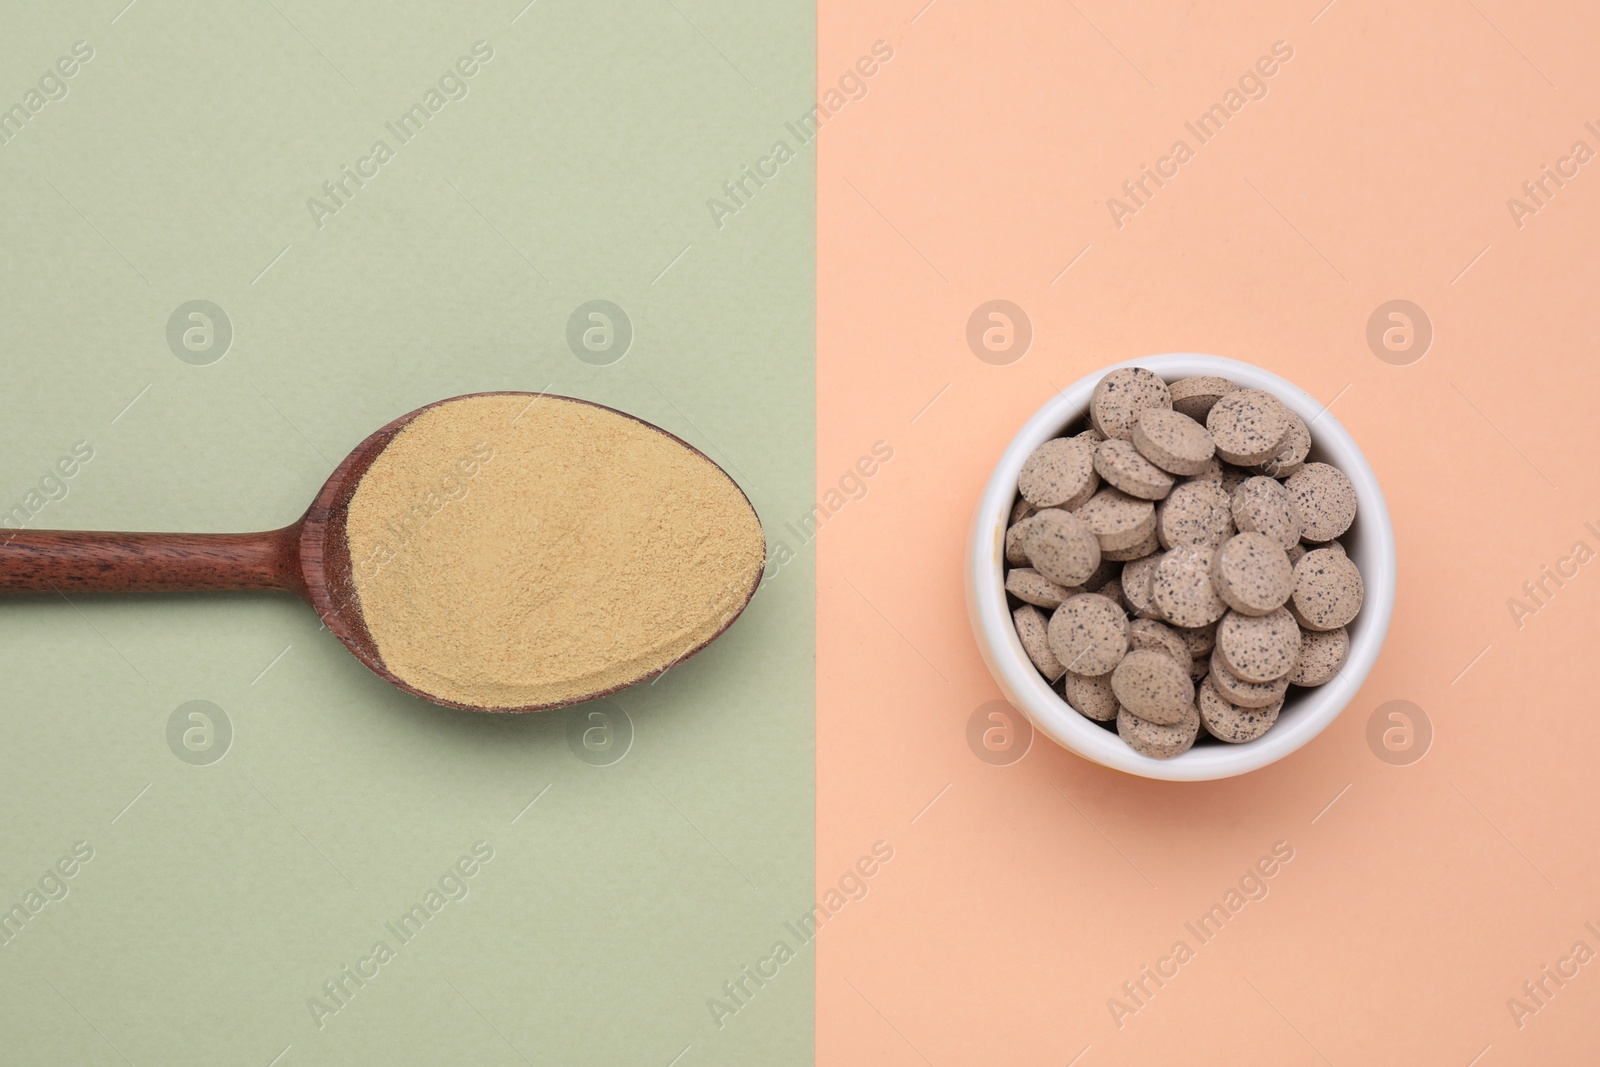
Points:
(512, 553)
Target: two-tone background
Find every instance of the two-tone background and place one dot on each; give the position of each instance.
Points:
(1392, 207)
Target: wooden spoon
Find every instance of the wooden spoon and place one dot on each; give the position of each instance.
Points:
(310, 559)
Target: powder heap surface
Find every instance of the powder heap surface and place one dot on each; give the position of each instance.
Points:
(514, 554)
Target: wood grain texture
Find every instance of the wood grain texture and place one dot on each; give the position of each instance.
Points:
(73, 561)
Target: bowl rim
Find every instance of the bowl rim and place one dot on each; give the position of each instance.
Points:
(1027, 690)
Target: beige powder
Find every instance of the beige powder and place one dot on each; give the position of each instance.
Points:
(510, 554)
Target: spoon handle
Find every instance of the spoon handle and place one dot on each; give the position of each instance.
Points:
(73, 561)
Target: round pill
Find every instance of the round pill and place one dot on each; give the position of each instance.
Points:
(1034, 633)
(1199, 640)
(1016, 545)
(1155, 740)
(1021, 509)
(1211, 471)
(1327, 590)
(1153, 686)
(1150, 543)
(1195, 396)
(1252, 574)
(1248, 426)
(1031, 587)
(1136, 575)
(1061, 547)
(1232, 477)
(1091, 696)
(1107, 570)
(1117, 519)
(1259, 648)
(1112, 591)
(1240, 692)
(1152, 636)
(1227, 721)
(1173, 442)
(1120, 396)
(1291, 455)
(1262, 505)
(1059, 474)
(1195, 513)
(1089, 634)
(1121, 465)
(1322, 655)
(1326, 501)
(1182, 586)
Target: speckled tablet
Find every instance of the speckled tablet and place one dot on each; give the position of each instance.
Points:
(1136, 575)
(1016, 543)
(1089, 634)
(1153, 686)
(1152, 636)
(1248, 426)
(1211, 471)
(1033, 632)
(1119, 521)
(1031, 587)
(1240, 692)
(1328, 590)
(1325, 499)
(1322, 656)
(1259, 648)
(1252, 574)
(1112, 590)
(1120, 464)
(1146, 545)
(1199, 640)
(1262, 505)
(1107, 570)
(1195, 513)
(1291, 455)
(1090, 695)
(1120, 396)
(1195, 396)
(1182, 586)
(1173, 442)
(1059, 474)
(1155, 740)
(1061, 547)
(1227, 721)
(1232, 477)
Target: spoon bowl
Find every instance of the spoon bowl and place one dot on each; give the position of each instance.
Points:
(310, 558)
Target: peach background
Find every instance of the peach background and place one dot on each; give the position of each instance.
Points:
(1378, 167)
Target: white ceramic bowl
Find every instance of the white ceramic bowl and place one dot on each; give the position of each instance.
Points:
(1370, 543)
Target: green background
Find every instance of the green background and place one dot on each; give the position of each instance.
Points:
(577, 167)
